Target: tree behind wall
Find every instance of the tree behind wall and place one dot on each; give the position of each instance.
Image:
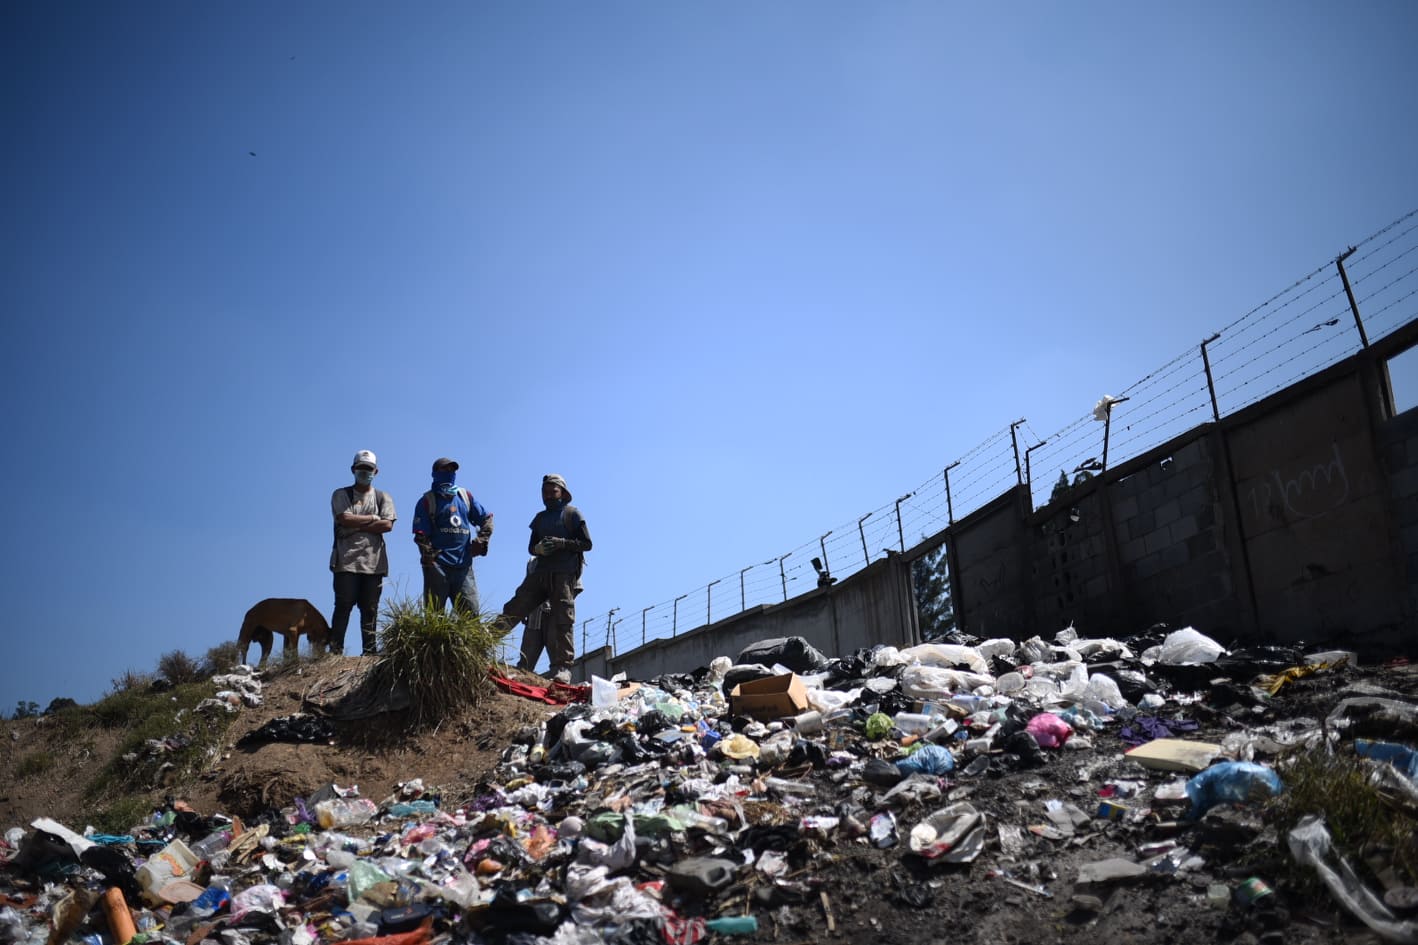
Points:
(935, 611)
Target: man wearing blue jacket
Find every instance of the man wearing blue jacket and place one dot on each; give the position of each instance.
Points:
(451, 528)
(559, 540)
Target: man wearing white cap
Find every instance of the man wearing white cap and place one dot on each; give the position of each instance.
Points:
(359, 560)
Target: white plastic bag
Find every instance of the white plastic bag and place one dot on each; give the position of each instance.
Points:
(1103, 689)
(1187, 646)
(946, 654)
(935, 682)
(1309, 843)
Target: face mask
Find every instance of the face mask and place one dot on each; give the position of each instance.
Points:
(443, 481)
(364, 476)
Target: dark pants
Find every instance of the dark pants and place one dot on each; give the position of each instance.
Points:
(558, 627)
(353, 589)
(442, 584)
(534, 638)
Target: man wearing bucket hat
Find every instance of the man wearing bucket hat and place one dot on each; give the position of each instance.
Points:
(359, 560)
(444, 530)
(559, 541)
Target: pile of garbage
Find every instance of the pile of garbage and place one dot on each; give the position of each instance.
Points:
(717, 803)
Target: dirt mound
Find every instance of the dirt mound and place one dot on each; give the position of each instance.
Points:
(46, 770)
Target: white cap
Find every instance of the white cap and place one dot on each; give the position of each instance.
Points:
(365, 458)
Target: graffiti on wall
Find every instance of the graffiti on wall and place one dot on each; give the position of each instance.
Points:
(1303, 491)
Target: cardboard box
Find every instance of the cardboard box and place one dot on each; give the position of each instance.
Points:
(1174, 754)
(771, 697)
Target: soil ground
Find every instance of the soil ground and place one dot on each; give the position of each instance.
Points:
(859, 893)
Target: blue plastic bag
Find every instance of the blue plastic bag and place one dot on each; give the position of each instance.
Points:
(1231, 782)
(930, 759)
(1403, 758)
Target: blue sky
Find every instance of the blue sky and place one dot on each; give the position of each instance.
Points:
(739, 272)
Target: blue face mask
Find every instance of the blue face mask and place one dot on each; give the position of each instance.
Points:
(443, 481)
(364, 476)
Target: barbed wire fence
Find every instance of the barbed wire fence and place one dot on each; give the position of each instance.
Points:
(1342, 306)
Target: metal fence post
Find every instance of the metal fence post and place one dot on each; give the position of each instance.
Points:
(783, 575)
(1014, 440)
(709, 602)
(674, 624)
(1210, 384)
(1353, 305)
(949, 506)
(642, 623)
(866, 557)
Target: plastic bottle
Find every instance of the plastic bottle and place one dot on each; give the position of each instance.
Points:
(344, 812)
(914, 722)
(793, 788)
(211, 844)
(733, 925)
(120, 920)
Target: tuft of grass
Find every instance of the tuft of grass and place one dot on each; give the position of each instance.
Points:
(131, 679)
(1359, 816)
(187, 738)
(36, 762)
(122, 815)
(441, 657)
(221, 658)
(179, 668)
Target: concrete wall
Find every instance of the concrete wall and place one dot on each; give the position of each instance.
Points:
(1295, 518)
(873, 606)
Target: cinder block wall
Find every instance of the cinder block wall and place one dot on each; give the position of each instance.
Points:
(1294, 519)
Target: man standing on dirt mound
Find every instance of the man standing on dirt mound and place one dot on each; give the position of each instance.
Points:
(359, 560)
(444, 525)
(560, 541)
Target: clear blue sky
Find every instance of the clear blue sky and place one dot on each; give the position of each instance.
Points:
(739, 272)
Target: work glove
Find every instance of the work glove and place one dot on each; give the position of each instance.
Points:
(550, 545)
(428, 556)
(478, 547)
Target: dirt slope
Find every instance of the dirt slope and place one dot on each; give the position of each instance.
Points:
(245, 780)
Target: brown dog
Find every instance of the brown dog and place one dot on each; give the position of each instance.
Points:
(288, 616)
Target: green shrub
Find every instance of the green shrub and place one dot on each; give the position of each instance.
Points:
(178, 668)
(1360, 817)
(36, 762)
(121, 816)
(131, 679)
(187, 738)
(221, 658)
(441, 657)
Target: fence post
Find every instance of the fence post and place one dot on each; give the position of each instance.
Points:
(1014, 440)
(1108, 428)
(1210, 384)
(1353, 305)
(866, 558)
(642, 622)
(674, 623)
(949, 506)
(783, 575)
(610, 629)
(1029, 472)
(822, 542)
(584, 624)
(709, 602)
(900, 535)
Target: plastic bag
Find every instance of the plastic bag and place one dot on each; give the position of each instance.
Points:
(1103, 689)
(934, 683)
(947, 655)
(1403, 759)
(603, 692)
(879, 725)
(1049, 730)
(1310, 844)
(1231, 782)
(793, 652)
(1186, 646)
(953, 835)
(929, 759)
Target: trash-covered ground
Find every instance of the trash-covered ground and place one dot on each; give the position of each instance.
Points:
(969, 791)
